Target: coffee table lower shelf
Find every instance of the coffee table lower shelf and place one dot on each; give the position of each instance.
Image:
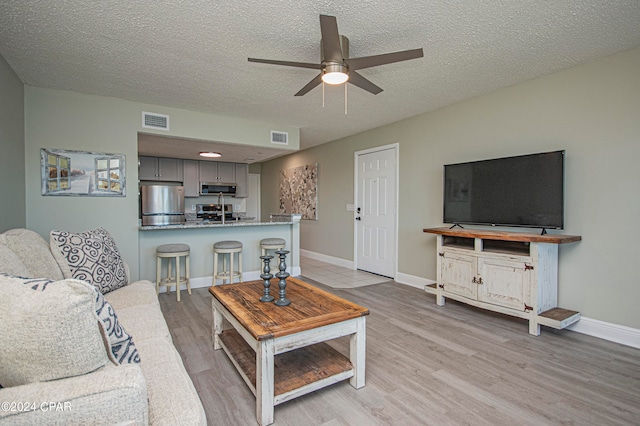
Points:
(296, 373)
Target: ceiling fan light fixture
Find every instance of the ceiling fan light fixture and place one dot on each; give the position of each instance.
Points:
(210, 154)
(335, 74)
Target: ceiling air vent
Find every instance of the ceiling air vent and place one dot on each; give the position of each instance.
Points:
(152, 120)
(281, 138)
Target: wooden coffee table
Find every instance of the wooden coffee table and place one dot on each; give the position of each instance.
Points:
(279, 351)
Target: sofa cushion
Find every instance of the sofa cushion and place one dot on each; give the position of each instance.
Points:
(135, 294)
(112, 395)
(144, 322)
(90, 256)
(48, 334)
(24, 252)
(173, 400)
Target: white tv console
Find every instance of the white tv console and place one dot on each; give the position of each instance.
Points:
(512, 273)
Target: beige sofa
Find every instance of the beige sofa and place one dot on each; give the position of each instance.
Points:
(155, 391)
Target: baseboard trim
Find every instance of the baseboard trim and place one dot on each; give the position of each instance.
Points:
(413, 281)
(616, 333)
(603, 330)
(201, 282)
(608, 331)
(328, 259)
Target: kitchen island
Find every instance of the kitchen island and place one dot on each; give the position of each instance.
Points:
(202, 235)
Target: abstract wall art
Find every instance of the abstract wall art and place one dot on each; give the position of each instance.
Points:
(299, 191)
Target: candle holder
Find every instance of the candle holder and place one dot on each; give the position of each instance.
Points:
(282, 284)
(266, 276)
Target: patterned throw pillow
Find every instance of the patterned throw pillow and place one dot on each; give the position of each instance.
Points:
(120, 343)
(122, 347)
(90, 256)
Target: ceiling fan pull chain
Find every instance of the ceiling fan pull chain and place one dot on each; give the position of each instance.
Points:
(345, 99)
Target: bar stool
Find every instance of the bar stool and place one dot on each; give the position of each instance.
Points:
(267, 244)
(223, 248)
(172, 252)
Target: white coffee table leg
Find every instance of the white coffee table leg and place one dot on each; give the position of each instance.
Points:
(264, 382)
(357, 352)
(217, 326)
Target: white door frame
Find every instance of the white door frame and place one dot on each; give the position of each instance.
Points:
(396, 149)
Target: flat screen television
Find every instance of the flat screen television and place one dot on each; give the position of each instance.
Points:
(525, 190)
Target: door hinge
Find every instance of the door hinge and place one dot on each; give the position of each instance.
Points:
(528, 267)
(528, 308)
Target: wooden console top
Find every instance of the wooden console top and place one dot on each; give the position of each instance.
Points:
(504, 235)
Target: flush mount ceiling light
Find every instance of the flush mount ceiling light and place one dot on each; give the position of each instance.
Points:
(210, 154)
(335, 74)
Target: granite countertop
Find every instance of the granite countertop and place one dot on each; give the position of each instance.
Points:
(200, 224)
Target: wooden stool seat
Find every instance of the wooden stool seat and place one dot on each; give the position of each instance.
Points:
(224, 248)
(173, 252)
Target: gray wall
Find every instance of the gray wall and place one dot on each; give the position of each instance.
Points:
(592, 111)
(12, 206)
(75, 121)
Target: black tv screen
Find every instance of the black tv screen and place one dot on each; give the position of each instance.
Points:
(526, 190)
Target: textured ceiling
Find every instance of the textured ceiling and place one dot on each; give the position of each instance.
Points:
(193, 54)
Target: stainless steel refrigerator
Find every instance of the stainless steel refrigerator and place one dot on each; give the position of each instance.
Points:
(162, 204)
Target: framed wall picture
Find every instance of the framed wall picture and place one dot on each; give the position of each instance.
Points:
(80, 173)
(299, 191)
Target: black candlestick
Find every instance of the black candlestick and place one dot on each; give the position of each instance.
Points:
(282, 284)
(266, 276)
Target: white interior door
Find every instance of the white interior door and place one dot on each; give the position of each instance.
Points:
(375, 211)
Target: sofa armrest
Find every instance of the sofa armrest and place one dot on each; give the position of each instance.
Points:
(110, 395)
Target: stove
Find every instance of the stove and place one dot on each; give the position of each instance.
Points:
(213, 212)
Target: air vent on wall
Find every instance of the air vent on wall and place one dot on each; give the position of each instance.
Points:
(281, 138)
(151, 120)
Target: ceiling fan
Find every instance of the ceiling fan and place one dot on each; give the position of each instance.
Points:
(336, 67)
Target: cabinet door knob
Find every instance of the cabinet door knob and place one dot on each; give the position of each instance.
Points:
(473, 280)
(480, 280)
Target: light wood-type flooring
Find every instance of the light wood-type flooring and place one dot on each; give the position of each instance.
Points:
(430, 365)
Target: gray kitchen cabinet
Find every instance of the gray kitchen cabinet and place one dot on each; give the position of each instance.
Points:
(191, 183)
(215, 171)
(162, 169)
(242, 180)
(227, 172)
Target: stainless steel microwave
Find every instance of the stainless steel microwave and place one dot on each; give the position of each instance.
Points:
(215, 188)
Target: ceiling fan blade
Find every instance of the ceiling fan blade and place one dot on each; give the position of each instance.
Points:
(331, 50)
(387, 58)
(287, 63)
(310, 85)
(363, 83)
